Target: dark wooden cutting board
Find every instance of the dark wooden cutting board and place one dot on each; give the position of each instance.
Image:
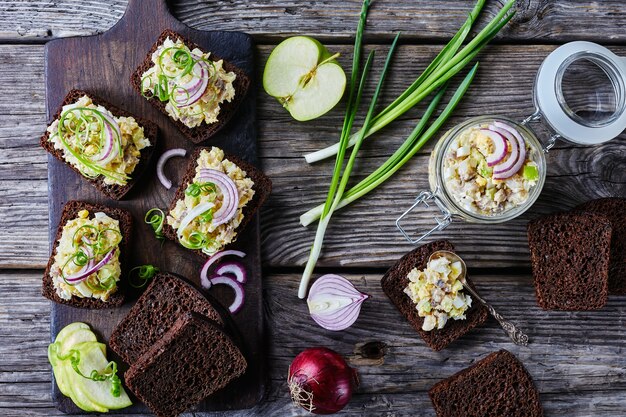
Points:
(102, 64)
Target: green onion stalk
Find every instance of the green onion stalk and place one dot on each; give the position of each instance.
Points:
(447, 64)
(414, 142)
(337, 187)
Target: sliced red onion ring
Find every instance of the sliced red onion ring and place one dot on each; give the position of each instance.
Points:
(334, 303)
(204, 272)
(235, 269)
(109, 151)
(513, 156)
(237, 286)
(161, 165)
(500, 147)
(230, 194)
(193, 213)
(512, 169)
(81, 276)
(188, 96)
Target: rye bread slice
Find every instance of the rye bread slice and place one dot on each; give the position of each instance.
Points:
(203, 132)
(167, 298)
(262, 188)
(194, 359)
(614, 209)
(70, 211)
(150, 130)
(570, 260)
(395, 281)
(497, 386)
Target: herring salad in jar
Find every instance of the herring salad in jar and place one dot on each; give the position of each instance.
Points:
(490, 168)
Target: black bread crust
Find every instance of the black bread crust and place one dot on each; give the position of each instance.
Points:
(150, 130)
(262, 189)
(70, 211)
(395, 280)
(614, 209)
(203, 132)
(167, 297)
(496, 386)
(193, 360)
(570, 260)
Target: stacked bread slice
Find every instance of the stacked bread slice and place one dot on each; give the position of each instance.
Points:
(177, 345)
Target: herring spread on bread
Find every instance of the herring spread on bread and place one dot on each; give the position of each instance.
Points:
(208, 215)
(98, 143)
(192, 85)
(86, 263)
(436, 293)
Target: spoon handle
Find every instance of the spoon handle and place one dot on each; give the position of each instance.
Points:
(517, 336)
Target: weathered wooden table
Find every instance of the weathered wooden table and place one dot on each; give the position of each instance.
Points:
(578, 360)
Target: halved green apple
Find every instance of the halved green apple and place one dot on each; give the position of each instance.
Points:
(304, 77)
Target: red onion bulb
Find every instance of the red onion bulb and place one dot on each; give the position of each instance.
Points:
(321, 381)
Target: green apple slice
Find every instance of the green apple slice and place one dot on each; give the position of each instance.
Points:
(93, 356)
(304, 77)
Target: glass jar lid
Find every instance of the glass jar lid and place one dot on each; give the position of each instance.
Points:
(580, 91)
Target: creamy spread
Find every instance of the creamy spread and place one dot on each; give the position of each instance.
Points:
(192, 85)
(83, 138)
(473, 184)
(436, 293)
(84, 239)
(213, 237)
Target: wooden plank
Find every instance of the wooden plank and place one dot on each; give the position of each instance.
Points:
(576, 358)
(364, 234)
(537, 20)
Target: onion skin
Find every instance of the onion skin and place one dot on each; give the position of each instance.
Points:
(321, 381)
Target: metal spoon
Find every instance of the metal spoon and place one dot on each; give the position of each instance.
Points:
(518, 337)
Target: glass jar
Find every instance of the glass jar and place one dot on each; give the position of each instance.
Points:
(580, 92)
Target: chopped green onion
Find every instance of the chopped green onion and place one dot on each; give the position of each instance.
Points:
(144, 274)
(194, 189)
(155, 218)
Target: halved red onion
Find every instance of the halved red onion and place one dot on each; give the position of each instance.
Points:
(84, 273)
(334, 303)
(161, 164)
(235, 269)
(204, 272)
(189, 93)
(230, 194)
(236, 286)
(500, 147)
(513, 168)
(192, 214)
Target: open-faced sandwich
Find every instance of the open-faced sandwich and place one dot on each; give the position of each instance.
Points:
(431, 298)
(218, 196)
(88, 256)
(180, 344)
(197, 90)
(106, 145)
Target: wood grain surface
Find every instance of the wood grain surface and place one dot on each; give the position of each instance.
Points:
(578, 360)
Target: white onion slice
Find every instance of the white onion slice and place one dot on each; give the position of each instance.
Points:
(230, 194)
(81, 276)
(204, 272)
(236, 286)
(163, 160)
(500, 147)
(502, 174)
(334, 303)
(193, 213)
